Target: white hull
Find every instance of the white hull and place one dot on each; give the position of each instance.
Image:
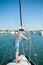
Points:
(42, 33)
(23, 61)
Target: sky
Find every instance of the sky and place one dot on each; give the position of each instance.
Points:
(32, 14)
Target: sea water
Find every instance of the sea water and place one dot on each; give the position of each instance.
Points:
(29, 47)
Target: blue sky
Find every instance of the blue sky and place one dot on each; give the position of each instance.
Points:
(32, 14)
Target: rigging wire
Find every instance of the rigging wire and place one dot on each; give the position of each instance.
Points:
(35, 55)
(9, 42)
(30, 48)
(34, 52)
(4, 57)
(10, 51)
(4, 44)
(23, 47)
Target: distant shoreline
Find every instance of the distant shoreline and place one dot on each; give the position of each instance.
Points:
(13, 31)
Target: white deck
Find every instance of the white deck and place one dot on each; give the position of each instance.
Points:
(23, 61)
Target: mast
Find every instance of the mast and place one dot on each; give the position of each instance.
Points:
(20, 13)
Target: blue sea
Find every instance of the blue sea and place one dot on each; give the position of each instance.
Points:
(29, 47)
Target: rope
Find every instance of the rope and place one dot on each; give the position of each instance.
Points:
(23, 47)
(10, 51)
(36, 59)
(34, 53)
(6, 43)
(30, 49)
(6, 51)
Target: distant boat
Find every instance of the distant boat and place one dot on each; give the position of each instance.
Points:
(34, 32)
(42, 33)
(12, 32)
